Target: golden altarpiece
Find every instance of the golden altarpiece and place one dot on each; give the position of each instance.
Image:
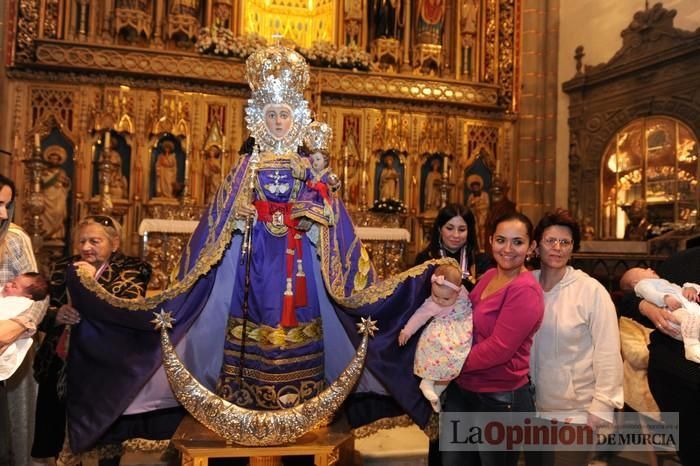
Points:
(135, 108)
(633, 156)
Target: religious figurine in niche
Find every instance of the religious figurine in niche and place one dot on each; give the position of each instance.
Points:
(386, 15)
(354, 174)
(500, 205)
(469, 17)
(211, 172)
(430, 21)
(478, 202)
(166, 171)
(432, 186)
(638, 227)
(468, 22)
(56, 185)
(118, 184)
(389, 180)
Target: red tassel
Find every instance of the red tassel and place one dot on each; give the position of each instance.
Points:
(63, 342)
(300, 298)
(289, 316)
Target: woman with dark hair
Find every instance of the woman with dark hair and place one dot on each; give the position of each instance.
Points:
(453, 235)
(575, 364)
(16, 258)
(507, 307)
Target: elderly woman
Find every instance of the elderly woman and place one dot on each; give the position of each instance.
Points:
(576, 364)
(16, 258)
(98, 239)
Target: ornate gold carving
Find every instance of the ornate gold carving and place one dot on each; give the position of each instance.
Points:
(427, 59)
(137, 20)
(507, 53)
(406, 88)
(27, 29)
(490, 56)
(57, 103)
(386, 52)
(184, 65)
(50, 23)
(182, 24)
(259, 428)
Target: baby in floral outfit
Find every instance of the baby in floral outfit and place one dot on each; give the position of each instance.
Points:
(445, 343)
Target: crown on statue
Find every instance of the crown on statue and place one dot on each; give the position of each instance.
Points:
(277, 69)
(318, 137)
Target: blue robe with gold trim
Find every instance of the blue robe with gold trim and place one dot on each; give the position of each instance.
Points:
(115, 357)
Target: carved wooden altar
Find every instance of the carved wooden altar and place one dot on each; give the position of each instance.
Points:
(640, 102)
(168, 101)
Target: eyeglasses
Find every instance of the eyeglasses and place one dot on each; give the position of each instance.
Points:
(103, 220)
(563, 243)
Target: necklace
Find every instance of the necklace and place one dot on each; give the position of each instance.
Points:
(463, 261)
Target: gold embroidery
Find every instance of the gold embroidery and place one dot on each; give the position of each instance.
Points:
(253, 374)
(275, 362)
(275, 337)
(267, 397)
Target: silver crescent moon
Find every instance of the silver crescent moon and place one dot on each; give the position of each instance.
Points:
(260, 428)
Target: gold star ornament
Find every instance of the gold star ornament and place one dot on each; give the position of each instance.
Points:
(366, 326)
(163, 319)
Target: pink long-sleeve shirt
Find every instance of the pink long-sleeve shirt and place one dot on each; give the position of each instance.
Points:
(504, 324)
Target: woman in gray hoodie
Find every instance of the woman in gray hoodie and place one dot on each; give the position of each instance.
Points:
(575, 363)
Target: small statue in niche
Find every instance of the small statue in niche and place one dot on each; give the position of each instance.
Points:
(389, 180)
(638, 227)
(478, 202)
(500, 205)
(468, 21)
(56, 185)
(118, 184)
(432, 186)
(166, 171)
(354, 170)
(211, 172)
(431, 19)
(386, 15)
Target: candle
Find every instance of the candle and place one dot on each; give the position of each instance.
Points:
(364, 155)
(108, 136)
(223, 144)
(37, 140)
(498, 166)
(445, 165)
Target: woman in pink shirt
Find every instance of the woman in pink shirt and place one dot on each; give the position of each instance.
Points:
(507, 310)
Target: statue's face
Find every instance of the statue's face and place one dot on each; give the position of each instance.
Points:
(278, 119)
(318, 161)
